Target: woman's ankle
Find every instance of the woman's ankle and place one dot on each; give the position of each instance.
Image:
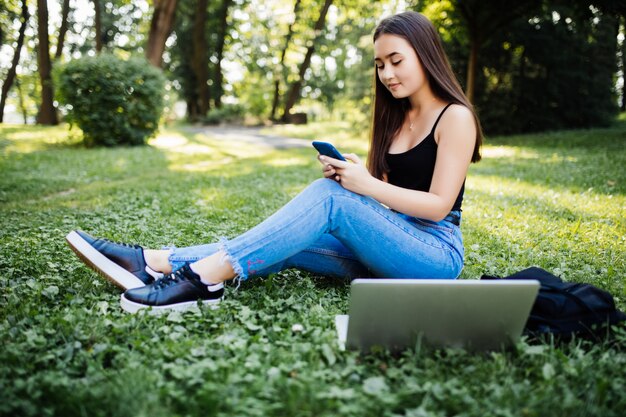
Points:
(158, 260)
(213, 269)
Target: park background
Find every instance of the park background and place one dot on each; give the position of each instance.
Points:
(547, 79)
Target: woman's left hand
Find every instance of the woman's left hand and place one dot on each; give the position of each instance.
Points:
(352, 175)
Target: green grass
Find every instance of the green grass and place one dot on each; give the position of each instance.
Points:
(553, 200)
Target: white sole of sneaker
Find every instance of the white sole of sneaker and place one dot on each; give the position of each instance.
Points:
(101, 264)
(133, 307)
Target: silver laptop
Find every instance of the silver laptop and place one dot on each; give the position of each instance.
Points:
(400, 313)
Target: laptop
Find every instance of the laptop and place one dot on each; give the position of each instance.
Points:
(402, 313)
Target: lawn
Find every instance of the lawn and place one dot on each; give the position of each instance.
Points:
(554, 200)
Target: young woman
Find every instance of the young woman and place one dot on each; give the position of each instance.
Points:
(398, 217)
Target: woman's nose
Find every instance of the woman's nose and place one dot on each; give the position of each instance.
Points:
(387, 73)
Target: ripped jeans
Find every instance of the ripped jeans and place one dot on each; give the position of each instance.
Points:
(328, 230)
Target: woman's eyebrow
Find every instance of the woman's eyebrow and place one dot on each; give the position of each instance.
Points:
(388, 55)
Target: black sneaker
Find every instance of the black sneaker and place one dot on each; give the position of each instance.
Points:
(122, 264)
(177, 291)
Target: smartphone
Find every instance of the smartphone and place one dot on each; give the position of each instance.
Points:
(325, 148)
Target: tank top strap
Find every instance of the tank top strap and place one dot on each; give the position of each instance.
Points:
(439, 118)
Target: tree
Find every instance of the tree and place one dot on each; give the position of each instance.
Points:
(20, 96)
(539, 73)
(483, 18)
(98, 25)
(47, 113)
(341, 74)
(221, 40)
(279, 67)
(195, 59)
(160, 29)
(294, 92)
(623, 53)
(199, 61)
(65, 10)
(8, 82)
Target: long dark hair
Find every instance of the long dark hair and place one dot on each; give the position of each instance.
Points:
(389, 113)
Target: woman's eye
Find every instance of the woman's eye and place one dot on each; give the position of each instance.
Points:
(395, 63)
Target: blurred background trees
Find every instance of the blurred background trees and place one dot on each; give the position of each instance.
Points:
(528, 65)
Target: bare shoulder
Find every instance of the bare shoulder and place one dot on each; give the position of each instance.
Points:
(457, 123)
(457, 114)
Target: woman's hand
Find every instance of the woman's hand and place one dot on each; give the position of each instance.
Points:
(328, 170)
(352, 175)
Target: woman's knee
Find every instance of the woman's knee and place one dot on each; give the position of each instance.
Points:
(325, 186)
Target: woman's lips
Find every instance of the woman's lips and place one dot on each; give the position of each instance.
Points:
(393, 86)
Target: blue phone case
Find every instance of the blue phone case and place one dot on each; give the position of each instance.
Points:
(325, 148)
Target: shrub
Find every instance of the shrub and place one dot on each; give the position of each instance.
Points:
(228, 113)
(113, 101)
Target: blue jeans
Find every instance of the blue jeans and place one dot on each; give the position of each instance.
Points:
(328, 230)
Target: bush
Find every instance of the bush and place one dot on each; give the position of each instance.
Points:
(114, 102)
(228, 113)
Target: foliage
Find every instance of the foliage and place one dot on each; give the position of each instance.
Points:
(228, 113)
(536, 74)
(113, 101)
(181, 59)
(554, 200)
(9, 11)
(542, 87)
(553, 68)
(340, 70)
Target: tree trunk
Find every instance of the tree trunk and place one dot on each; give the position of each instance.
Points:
(47, 114)
(483, 20)
(278, 70)
(65, 11)
(522, 78)
(98, 19)
(221, 38)
(160, 29)
(472, 64)
(20, 96)
(623, 105)
(294, 93)
(8, 82)
(192, 108)
(200, 62)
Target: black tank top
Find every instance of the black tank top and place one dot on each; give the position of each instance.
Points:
(414, 168)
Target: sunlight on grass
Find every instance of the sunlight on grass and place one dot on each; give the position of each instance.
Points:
(507, 152)
(315, 131)
(284, 162)
(24, 139)
(168, 141)
(203, 144)
(510, 224)
(520, 193)
(203, 153)
(179, 144)
(341, 134)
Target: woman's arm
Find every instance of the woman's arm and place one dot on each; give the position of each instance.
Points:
(456, 137)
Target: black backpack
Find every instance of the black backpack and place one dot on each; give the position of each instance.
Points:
(567, 308)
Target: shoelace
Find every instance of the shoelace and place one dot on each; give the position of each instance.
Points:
(126, 245)
(171, 279)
